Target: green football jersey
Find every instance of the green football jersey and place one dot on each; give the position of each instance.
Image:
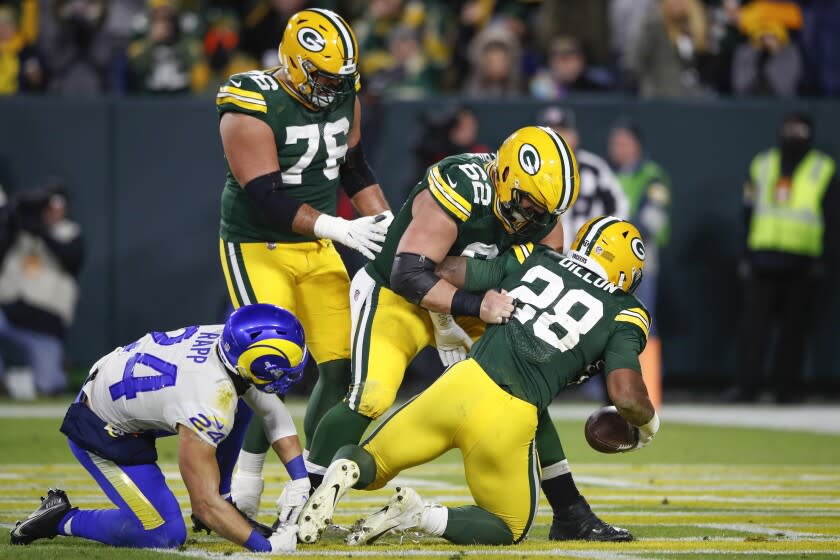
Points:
(311, 145)
(461, 187)
(567, 318)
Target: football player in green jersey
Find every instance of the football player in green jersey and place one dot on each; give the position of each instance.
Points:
(291, 136)
(571, 311)
(471, 204)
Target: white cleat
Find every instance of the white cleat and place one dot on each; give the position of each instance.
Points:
(403, 512)
(317, 513)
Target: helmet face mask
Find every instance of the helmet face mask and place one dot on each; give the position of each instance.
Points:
(613, 249)
(323, 89)
(265, 345)
(526, 220)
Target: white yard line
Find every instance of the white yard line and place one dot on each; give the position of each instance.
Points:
(815, 418)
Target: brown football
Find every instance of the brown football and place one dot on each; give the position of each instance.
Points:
(608, 432)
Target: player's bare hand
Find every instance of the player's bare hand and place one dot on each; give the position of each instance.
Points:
(496, 307)
(365, 234)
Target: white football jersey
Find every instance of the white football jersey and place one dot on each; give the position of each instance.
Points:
(165, 379)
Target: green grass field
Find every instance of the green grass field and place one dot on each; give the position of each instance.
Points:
(699, 492)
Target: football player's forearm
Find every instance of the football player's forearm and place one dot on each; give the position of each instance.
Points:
(370, 200)
(629, 395)
(453, 270)
(439, 298)
(304, 221)
(287, 448)
(222, 518)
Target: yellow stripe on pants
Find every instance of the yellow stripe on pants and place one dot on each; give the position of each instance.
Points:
(129, 492)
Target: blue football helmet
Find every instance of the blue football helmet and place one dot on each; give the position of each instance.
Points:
(266, 346)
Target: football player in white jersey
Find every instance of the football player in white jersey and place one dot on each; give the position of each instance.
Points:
(186, 382)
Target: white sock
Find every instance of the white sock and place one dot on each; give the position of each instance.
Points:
(250, 464)
(434, 519)
(555, 470)
(312, 468)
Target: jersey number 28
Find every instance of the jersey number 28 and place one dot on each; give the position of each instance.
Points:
(551, 307)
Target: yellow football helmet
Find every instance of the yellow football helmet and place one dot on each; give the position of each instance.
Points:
(319, 53)
(534, 163)
(613, 249)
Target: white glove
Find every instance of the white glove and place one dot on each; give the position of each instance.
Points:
(365, 235)
(246, 491)
(386, 221)
(284, 539)
(291, 501)
(451, 340)
(647, 431)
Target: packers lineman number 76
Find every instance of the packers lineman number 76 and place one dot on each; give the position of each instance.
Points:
(311, 133)
(555, 307)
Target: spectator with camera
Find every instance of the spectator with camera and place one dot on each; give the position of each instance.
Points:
(39, 282)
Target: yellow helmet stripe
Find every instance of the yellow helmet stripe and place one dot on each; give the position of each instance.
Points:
(596, 227)
(568, 166)
(343, 30)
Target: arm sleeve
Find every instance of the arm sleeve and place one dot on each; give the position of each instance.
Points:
(242, 93)
(275, 416)
(447, 193)
(67, 245)
(485, 274)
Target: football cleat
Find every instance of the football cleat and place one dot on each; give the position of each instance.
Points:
(579, 522)
(404, 511)
(317, 513)
(43, 522)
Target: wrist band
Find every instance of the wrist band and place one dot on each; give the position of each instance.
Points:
(652, 426)
(257, 543)
(466, 303)
(297, 468)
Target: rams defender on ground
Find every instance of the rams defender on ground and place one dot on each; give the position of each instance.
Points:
(291, 135)
(477, 204)
(187, 382)
(571, 311)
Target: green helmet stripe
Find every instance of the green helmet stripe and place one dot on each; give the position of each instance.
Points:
(593, 232)
(568, 171)
(343, 30)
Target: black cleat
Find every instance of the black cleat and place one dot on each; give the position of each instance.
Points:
(264, 530)
(43, 522)
(579, 522)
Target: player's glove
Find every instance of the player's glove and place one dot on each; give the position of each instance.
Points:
(647, 431)
(365, 235)
(451, 340)
(246, 491)
(291, 501)
(284, 539)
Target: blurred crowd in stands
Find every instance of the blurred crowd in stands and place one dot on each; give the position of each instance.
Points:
(482, 48)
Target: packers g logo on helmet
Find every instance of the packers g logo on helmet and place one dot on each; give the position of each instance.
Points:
(613, 249)
(311, 39)
(319, 54)
(536, 164)
(529, 159)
